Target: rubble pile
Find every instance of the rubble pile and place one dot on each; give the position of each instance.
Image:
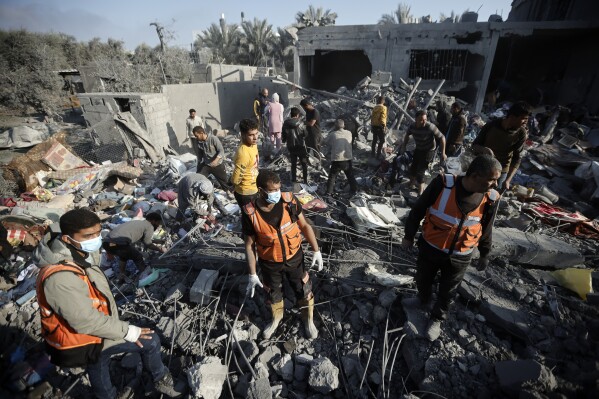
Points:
(524, 327)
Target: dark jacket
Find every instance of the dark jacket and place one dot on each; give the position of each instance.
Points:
(294, 134)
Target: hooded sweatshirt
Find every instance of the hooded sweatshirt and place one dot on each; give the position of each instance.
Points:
(294, 133)
(68, 295)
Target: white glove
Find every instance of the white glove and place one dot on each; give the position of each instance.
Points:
(317, 258)
(133, 333)
(253, 281)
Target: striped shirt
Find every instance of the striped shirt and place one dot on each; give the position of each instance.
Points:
(425, 136)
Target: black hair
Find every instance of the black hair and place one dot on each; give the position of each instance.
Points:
(154, 217)
(76, 220)
(246, 125)
(192, 110)
(520, 108)
(483, 165)
(419, 113)
(198, 129)
(266, 176)
(305, 102)
(457, 105)
(381, 99)
(294, 112)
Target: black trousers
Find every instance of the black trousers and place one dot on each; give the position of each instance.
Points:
(345, 167)
(378, 135)
(420, 163)
(303, 158)
(314, 137)
(125, 253)
(219, 172)
(243, 200)
(452, 268)
(295, 273)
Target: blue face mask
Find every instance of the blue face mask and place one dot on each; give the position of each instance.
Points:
(274, 197)
(90, 246)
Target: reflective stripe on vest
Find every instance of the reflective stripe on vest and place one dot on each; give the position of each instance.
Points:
(445, 225)
(55, 330)
(276, 245)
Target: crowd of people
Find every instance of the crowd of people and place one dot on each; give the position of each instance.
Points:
(80, 322)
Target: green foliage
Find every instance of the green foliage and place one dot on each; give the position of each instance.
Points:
(315, 17)
(400, 16)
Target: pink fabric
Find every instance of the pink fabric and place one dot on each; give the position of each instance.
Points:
(275, 117)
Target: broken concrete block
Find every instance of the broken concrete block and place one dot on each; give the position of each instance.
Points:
(364, 219)
(249, 348)
(284, 368)
(512, 374)
(387, 297)
(175, 292)
(207, 377)
(374, 275)
(259, 389)
(183, 337)
(385, 212)
(324, 375)
(534, 249)
(202, 287)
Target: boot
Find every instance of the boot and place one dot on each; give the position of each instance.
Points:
(277, 315)
(308, 317)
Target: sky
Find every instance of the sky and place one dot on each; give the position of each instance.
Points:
(128, 20)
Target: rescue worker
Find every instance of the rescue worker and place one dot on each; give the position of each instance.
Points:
(79, 316)
(458, 216)
(192, 190)
(122, 239)
(273, 225)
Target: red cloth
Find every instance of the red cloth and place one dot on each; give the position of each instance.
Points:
(167, 195)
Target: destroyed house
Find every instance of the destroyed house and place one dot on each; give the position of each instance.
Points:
(547, 62)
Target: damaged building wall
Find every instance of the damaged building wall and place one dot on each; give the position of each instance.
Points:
(150, 110)
(554, 10)
(205, 73)
(222, 105)
(431, 51)
(464, 54)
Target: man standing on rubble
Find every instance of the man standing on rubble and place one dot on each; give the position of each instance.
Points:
(504, 139)
(122, 239)
(272, 226)
(79, 316)
(211, 156)
(312, 124)
(378, 121)
(458, 216)
(340, 149)
(192, 190)
(425, 135)
(455, 130)
(191, 122)
(260, 104)
(246, 163)
(294, 134)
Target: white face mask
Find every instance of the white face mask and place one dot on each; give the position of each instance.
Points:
(91, 245)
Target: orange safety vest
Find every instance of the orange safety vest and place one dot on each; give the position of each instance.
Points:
(277, 245)
(65, 346)
(446, 228)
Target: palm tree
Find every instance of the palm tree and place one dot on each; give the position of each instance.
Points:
(400, 16)
(223, 40)
(315, 17)
(257, 41)
(451, 18)
(282, 51)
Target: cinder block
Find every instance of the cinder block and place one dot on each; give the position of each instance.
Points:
(202, 287)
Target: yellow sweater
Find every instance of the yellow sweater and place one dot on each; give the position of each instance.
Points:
(246, 170)
(379, 116)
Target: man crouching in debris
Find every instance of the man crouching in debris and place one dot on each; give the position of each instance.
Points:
(79, 316)
(121, 241)
(192, 190)
(458, 216)
(273, 225)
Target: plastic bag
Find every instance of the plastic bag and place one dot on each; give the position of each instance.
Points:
(577, 280)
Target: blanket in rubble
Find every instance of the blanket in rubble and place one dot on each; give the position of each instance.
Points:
(571, 222)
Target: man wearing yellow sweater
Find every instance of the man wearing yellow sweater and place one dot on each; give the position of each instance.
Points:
(378, 121)
(246, 163)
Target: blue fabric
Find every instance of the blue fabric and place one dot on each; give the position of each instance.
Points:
(99, 373)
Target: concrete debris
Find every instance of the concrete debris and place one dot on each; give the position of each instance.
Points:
(284, 367)
(201, 290)
(514, 375)
(534, 249)
(324, 375)
(387, 279)
(207, 377)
